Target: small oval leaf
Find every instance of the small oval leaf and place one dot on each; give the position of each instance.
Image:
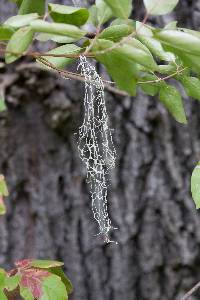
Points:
(20, 21)
(30, 6)
(57, 28)
(18, 44)
(121, 9)
(68, 14)
(172, 100)
(161, 7)
(195, 185)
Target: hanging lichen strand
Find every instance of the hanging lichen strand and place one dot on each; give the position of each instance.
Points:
(96, 146)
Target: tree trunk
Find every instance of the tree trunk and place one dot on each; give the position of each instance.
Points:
(49, 207)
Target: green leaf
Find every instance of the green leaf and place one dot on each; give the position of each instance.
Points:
(128, 22)
(172, 25)
(11, 283)
(53, 288)
(68, 14)
(59, 272)
(26, 294)
(151, 89)
(3, 296)
(19, 43)
(20, 21)
(46, 264)
(57, 28)
(180, 40)
(135, 50)
(121, 68)
(161, 7)
(2, 104)
(167, 69)
(195, 185)
(100, 13)
(143, 29)
(121, 9)
(3, 187)
(30, 6)
(188, 60)
(191, 61)
(156, 48)
(61, 62)
(191, 85)
(6, 32)
(172, 100)
(2, 278)
(192, 32)
(2, 206)
(116, 32)
(44, 37)
(2, 284)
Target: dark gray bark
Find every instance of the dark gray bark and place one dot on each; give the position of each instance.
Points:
(49, 210)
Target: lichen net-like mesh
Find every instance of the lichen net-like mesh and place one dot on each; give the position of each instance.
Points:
(95, 145)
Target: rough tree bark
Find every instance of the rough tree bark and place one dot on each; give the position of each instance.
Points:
(49, 210)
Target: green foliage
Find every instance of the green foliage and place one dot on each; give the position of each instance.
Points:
(191, 85)
(12, 282)
(19, 43)
(121, 9)
(35, 280)
(100, 13)
(150, 89)
(3, 187)
(59, 272)
(57, 28)
(181, 40)
(3, 193)
(30, 6)
(131, 51)
(161, 7)
(195, 185)
(171, 99)
(45, 264)
(20, 21)
(2, 104)
(53, 285)
(116, 32)
(61, 62)
(125, 76)
(68, 14)
(26, 293)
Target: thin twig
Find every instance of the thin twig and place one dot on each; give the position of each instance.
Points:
(125, 39)
(40, 54)
(191, 292)
(70, 75)
(164, 78)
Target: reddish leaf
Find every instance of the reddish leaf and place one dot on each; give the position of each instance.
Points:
(23, 264)
(32, 280)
